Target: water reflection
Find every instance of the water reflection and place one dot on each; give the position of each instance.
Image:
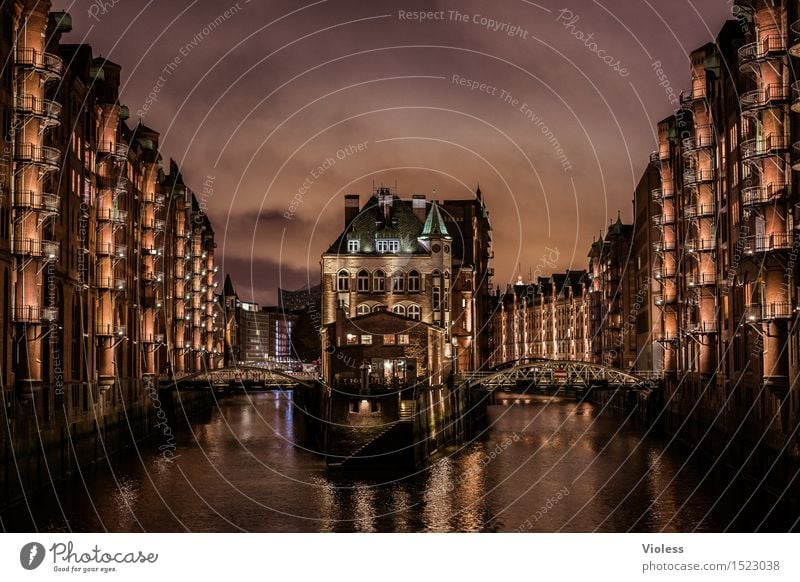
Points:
(242, 471)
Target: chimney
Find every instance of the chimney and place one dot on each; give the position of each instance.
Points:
(351, 206)
(418, 206)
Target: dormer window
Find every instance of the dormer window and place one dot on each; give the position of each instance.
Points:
(388, 245)
(353, 246)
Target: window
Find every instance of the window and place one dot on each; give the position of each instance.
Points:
(352, 339)
(363, 281)
(388, 340)
(398, 282)
(437, 298)
(399, 310)
(343, 281)
(362, 309)
(379, 281)
(388, 245)
(413, 282)
(366, 340)
(414, 312)
(403, 339)
(377, 307)
(353, 246)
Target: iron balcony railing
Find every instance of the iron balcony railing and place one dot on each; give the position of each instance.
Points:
(665, 298)
(665, 336)
(153, 276)
(48, 158)
(33, 313)
(769, 311)
(112, 215)
(663, 245)
(110, 329)
(773, 144)
(118, 185)
(696, 93)
(44, 109)
(40, 201)
(111, 249)
(701, 279)
(113, 149)
(778, 241)
(771, 95)
(702, 327)
(32, 247)
(769, 194)
(662, 219)
(692, 176)
(698, 211)
(769, 47)
(110, 283)
(665, 272)
(46, 64)
(703, 138)
(701, 245)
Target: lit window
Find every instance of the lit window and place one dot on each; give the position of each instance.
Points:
(388, 245)
(398, 281)
(413, 281)
(379, 281)
(353, 246)
(388, 340)
(414, 312)
(363, 281)
(403, 339)
(366, 340)
(343, 281)
(352, 339)
(399, 310)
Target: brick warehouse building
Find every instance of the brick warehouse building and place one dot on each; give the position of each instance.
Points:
(425, 261)
(107, 259)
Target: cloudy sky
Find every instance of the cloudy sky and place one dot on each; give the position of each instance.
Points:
(283, 107)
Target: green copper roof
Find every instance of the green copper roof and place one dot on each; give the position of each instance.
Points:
(434, 225)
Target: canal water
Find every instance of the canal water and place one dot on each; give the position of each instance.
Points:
(539, 467)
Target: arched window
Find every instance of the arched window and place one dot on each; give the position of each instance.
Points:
(379, 281)
(399, 310)
(413, 282)
(377, 307)
(363, 281)
(362, 309)
(414, 312)
(398, 282)
(343, 281)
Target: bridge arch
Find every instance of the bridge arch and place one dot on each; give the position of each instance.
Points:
(231, 374)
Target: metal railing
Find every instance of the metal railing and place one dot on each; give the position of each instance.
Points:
(772, 144)
(33, 313)
(50, 65)
(765, 48)
(110, 283)
(662, 219)
(45, 249)
(663, 245)
(700, 279)
(774, 93)
(112, 215)
(693, 176)
(701, 245)
(41, 201)
(113, 149)
(769, 311)
(45, 156)
(768, 243)
(692, 211)
(755, 195)
(45, 109)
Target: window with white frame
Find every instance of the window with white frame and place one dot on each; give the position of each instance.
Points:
(414, 312)
(399, 310)
(388, 245)
(353, 246)
(363, 281)
(343, 281)
(362, 309)
(398, 282)
(379, 281)
(413, 282)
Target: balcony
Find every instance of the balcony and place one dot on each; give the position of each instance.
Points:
(115, 150)
(153, 277)
(159, 225)
(758, 195)
(693, 211)
(110, 283)
(768, 312)
(771, 145)
(664, 273)
(33, 314)
(701, 279)
(664, 245)
(794, 39)
(150, 251)
(700, 245)
(39, 201)
(703, 138)
(696, 93)
(31, 247)
(50, 66)
(772, 95)
(663, 219)
(694, 176)
(768, 48)
(153, 338)
(117, 185)
(779, 241)
(655, 159)
(44, 157)
(112, 215)
(46, 111)
(110, 249)
(110, 330)
(701, 327)
(665, 299)
(665, 336)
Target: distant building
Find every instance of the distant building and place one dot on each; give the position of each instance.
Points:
(305, 298)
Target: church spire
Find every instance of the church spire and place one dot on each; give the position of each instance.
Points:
(434, 224)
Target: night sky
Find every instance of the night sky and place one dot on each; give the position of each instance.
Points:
(551, 106)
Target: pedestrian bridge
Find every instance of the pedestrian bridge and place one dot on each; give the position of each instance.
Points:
(246, 377)
(556, 374)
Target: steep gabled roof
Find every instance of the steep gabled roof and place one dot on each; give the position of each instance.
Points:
(434, 224)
